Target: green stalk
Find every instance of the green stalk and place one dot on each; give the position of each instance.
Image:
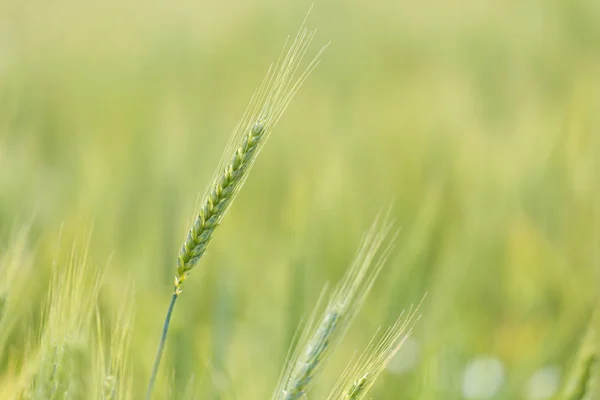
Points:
(161, 345)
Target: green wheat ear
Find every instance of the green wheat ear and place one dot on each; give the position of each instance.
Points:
(265, 109)
(112, 364)
(583, 379)
(64, 360)
(361, 375)
(15, 266)
(322, 334)
(2, 303)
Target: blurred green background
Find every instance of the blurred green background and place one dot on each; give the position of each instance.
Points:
(480, 120)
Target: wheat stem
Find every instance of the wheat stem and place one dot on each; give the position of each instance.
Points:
(161, 346)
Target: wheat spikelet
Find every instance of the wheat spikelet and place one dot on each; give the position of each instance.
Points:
(318, 339)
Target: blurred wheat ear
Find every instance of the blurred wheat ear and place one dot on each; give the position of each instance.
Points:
(321, 335)
(114, 381)
(583, 382)
(15, 265)
(68, 360)
(264, 110)
(15, 286)
(66, 337)
(361, 375)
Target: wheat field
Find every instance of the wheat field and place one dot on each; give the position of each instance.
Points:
(475, 123)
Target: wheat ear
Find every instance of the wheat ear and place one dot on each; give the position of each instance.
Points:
(59, 369)
(358, 379)
(318, 339)
(581, 381)
(266, 107)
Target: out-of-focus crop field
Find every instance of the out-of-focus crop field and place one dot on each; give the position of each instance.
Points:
(478, 120)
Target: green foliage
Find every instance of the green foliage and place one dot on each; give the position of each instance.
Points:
(482, 123)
